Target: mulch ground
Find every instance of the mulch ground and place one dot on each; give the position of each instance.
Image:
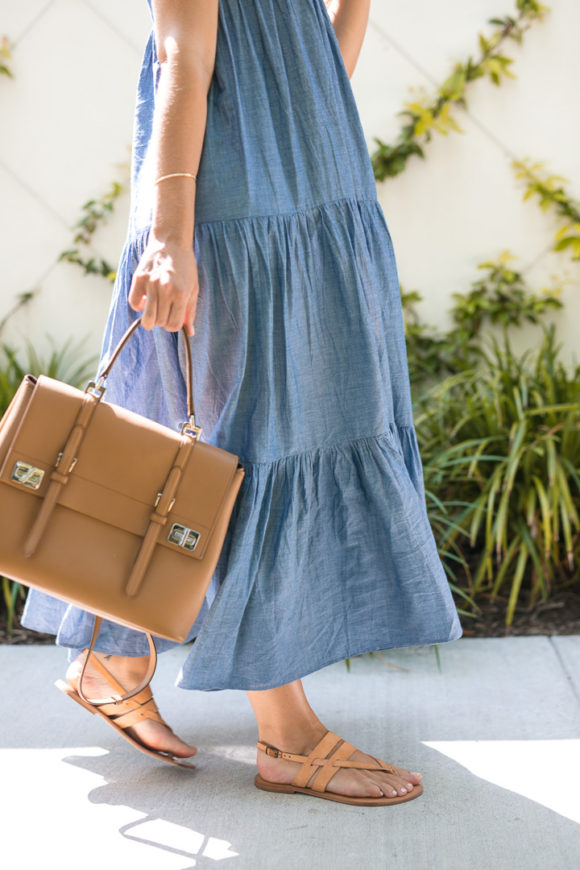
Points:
(22, 635)
(560, 614)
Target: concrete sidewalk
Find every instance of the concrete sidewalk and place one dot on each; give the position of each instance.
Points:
(495, 732)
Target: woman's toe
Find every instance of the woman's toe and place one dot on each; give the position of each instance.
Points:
(181, 748)
(410, 777)
(158, 736)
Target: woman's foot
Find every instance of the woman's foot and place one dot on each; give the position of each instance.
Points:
(128, 671)
(353, 783)
(287, 722)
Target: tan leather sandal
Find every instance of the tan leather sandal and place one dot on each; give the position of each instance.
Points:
(318, 768)
(121, 713)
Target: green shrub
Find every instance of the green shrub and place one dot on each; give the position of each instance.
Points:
(499, 298)
(503, 439)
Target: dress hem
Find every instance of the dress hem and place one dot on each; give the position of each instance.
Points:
(240, 685)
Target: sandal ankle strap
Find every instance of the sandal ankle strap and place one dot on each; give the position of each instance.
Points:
(274, 752)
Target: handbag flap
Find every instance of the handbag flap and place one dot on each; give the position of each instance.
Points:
(122, 464)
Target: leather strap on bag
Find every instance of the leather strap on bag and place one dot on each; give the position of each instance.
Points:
(98, 386)
(158, 518)
(58, 478)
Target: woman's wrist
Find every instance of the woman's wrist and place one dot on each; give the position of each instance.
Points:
(173, 212)
(172, 236)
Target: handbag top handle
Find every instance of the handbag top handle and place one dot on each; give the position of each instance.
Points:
(97, 387)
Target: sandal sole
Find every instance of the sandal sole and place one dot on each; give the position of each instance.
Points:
(281, 788)
(168, 759)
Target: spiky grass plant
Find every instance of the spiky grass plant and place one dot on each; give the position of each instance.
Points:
(504, 439)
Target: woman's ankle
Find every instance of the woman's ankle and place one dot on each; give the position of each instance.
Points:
(298, 739)
(285, 718)
(127, 667)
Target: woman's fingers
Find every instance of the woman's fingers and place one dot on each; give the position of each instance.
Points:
(190, 312)
(165, 287)
(188, 322)
(189, 318)
(137, 295)
(149, 316)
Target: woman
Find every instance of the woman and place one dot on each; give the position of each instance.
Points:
(247, 141)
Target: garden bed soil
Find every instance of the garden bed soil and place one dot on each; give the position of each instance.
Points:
(560, 614)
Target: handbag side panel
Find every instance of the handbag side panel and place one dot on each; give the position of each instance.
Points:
(14, 414)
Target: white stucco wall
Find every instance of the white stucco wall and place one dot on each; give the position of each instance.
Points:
(67, 116)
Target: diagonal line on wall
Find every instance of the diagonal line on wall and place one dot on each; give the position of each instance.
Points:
(415, 63)
(483, 128)
(35, 287)
(549, 249)
(402, 51)
(32, 23)
(32, 192)
(96, 11)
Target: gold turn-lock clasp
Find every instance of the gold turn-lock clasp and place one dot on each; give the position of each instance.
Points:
(183, 537)
(28, 475)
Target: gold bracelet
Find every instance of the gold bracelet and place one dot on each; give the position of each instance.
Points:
(174, 174)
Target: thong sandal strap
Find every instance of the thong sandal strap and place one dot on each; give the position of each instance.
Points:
(317, 759)
(330, 755)
(131, 712)
(132, 716)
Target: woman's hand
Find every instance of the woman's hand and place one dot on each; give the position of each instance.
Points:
(165, 286)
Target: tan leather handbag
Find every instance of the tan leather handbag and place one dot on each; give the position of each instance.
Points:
(108, 510)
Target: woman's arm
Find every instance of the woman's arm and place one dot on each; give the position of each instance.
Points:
(165, 283)
(349, 19)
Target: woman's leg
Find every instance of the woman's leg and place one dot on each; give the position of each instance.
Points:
(287, 721)
(129, 672)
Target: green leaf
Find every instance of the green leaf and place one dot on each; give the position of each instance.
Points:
(516, 583)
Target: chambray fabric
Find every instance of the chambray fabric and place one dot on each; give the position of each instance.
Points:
(300, 368)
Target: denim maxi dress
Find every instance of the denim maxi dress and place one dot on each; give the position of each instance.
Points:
(300, 369)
